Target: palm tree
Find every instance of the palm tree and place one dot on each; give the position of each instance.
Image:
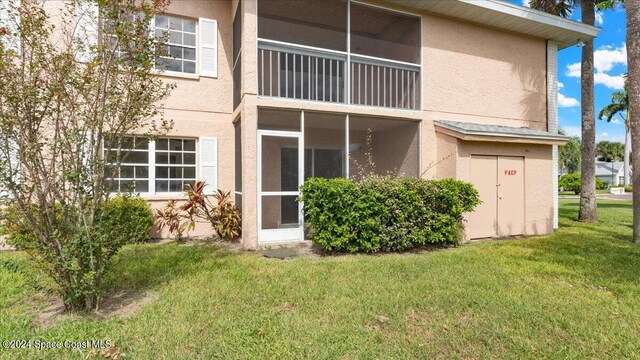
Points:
(620, 106)
(588, 208)
(633, 61)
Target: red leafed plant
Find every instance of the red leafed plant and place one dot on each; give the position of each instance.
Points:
(220, 211)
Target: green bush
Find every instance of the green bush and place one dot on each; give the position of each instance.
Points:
(385, 213)
(572, 182)
(628, 188)
(130, 217)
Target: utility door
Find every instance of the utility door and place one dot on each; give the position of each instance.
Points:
(482, 223)
(500, 183)
(510, 196)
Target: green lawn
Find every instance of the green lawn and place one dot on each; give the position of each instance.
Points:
(574, 294)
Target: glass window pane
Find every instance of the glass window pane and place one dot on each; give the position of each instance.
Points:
(189, 145)
(176, 52)
(175, 158)
(175, 23)
(162, 144)
(127, 186)
(189, 54)
(136, 157)
(175, 173)
(175, 65)
(189, 39)
(142, 172)
(162, 172)
(189, 25)
(189, 67)
(162, 21)
(189, 158)
(162, 158)
(189, 172)
(175, 144)
(142, 186)
(162, 186)
(175, 186)
(142, 143)
(127, 172)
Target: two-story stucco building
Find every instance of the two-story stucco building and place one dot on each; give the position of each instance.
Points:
(270, 92)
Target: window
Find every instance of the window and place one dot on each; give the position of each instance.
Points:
(175, 164)
(181, 44)
(166, 165)
(133, 173)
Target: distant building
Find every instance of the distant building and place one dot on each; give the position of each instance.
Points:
(611, 173)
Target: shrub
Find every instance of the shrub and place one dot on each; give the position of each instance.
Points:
(126, 219)
(223, 215)
(130, 217)
(572, 182)
(385, 213)
(628, 188)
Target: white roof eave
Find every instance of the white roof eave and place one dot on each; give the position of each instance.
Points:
(509, 16)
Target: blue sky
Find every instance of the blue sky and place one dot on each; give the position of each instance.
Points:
(610, 63)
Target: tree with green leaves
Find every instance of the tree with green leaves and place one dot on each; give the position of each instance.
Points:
(564, 8)
(620, 106)
(71, 88)
(609, 151)
(569, 155)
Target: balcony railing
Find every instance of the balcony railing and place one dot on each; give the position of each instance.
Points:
(306, 73)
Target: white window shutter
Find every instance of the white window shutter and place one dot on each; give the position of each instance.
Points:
(208, 47)
(209, 164)
(86, 33)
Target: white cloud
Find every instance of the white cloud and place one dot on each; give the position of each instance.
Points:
(606, 57)
(564, 101)
(573, 70)
(599, 19)
(616, 121)
(612, 82)
(560, 85)
(603, 135)
(525, 3)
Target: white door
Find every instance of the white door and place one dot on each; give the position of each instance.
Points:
(280, 174)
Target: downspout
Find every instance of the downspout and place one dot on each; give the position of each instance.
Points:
(552, 118)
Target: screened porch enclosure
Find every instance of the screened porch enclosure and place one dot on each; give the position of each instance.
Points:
(297, 145)
(339, 51)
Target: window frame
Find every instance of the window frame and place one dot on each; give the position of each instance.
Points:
(151, 163)
(197, 61)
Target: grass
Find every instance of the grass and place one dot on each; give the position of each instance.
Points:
(572, 294)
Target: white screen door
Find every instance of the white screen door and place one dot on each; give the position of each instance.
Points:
(280, 174)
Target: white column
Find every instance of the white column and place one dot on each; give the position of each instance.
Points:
(552, 117)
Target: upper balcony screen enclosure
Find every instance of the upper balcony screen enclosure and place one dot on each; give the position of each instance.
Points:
(309, 50)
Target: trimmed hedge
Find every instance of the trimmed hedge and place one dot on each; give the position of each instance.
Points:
(385, 213)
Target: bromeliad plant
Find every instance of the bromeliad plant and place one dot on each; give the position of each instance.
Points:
(222, 213)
